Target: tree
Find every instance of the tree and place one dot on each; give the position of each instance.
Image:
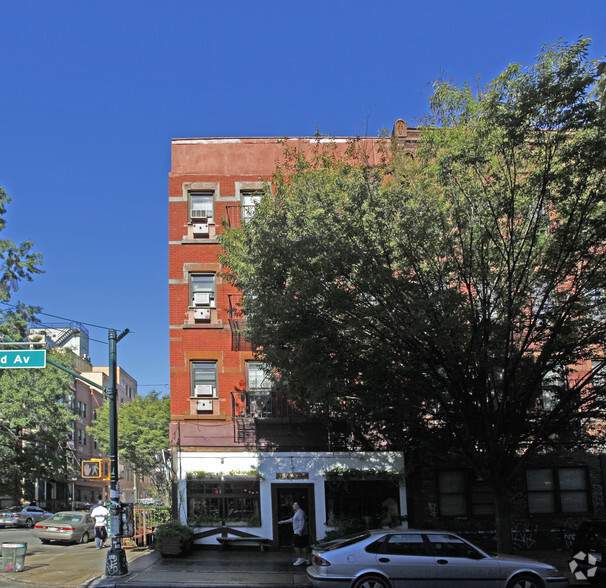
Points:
(449, 297)
(143, 435)
(35, 418)
(34, 404)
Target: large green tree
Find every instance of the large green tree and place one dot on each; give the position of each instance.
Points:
(34, 404)
(442, 300)
(143, 435)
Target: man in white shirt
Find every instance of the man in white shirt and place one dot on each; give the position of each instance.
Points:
(300, 538)
(100, 514)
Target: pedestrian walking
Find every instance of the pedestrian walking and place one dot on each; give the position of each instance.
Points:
(300, 539)
(100, 514)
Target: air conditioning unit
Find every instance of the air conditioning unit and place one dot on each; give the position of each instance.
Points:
(200, 213)
(204, 405)
(203, 390)
(201, 299)
(202, 314)
(200, 229)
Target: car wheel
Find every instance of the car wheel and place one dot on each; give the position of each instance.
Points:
(84, 538)
(525, 581)
(371, 581)
(29, 523)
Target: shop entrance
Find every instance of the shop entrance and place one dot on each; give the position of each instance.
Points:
(282, 498)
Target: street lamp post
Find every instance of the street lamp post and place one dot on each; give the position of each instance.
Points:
(115, 564)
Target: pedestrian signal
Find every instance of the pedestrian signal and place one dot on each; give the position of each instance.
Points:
(91, 469)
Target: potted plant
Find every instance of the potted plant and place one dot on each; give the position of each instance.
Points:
(174, 538)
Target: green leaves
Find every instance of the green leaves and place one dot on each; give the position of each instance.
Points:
(142, 430)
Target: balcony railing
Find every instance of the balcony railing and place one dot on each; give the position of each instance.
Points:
(239, 213)
(262, 403)
(237, 324)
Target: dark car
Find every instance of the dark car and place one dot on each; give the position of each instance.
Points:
(589, 552)
(404, 558)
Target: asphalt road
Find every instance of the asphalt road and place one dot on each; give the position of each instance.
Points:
(54, 564)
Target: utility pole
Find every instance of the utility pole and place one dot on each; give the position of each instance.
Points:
(115, 564)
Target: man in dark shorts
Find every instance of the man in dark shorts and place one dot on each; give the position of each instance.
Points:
(300, 538)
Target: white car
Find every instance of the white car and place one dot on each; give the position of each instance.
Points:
(392, 558)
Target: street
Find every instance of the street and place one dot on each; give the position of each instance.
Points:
(54, 564)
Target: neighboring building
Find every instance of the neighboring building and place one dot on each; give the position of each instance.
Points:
(241, 453)
(79, 446)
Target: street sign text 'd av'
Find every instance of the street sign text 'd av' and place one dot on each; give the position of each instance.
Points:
(33, 358)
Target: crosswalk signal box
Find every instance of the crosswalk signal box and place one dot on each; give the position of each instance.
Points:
(92, 469)
(95, 469)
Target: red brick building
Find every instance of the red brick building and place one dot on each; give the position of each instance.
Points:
(241, 456)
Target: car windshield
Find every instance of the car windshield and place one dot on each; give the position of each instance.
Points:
(342, 541)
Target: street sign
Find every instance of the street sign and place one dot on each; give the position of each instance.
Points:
(33, 358)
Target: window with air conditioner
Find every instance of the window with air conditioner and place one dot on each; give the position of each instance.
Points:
(201, 207)
(204, 379)
(202, 291)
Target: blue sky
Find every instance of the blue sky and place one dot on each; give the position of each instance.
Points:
(92, 93)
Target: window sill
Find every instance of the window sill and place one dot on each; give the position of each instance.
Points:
(203, 325)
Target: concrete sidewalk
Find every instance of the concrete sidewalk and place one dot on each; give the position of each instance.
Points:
(206, 568)
(210, 568)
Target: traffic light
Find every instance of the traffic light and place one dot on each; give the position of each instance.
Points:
(91, 469)
(95, 469)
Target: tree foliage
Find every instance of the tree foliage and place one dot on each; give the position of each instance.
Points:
(449, 297)
(34, 404)
(142, 433)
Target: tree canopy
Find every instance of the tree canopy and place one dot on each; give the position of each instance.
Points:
(35, 414)
(143, 435)
(449, 297)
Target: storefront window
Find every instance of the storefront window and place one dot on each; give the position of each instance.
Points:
(214, 501)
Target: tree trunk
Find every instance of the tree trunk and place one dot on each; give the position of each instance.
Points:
(502, 517)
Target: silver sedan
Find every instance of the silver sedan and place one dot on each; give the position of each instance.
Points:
(390, 558)
(22, 516)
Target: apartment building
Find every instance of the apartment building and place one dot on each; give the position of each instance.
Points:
(241, 453)
(75, 491)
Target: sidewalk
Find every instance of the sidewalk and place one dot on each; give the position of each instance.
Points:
(210, 568)
(204, 568)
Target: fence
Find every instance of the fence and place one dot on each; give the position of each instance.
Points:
(146, 520)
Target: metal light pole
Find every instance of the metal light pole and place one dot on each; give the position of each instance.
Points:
(115, 563)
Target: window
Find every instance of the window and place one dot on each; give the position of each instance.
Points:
(210, 501)
(204, 379)
(250, 199)
(557, 490)
(201, 208)
(257, 376)
(451, 546)
(405, 544)
(358, 500)
(202, 290)
(461, 494)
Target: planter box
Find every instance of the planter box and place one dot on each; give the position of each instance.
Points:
(173, 546)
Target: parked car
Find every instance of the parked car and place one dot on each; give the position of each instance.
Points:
(390, 558)
(68, 526)
(589, 552)
(22, 516)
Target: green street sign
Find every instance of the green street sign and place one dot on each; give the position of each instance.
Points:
(33, 358)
